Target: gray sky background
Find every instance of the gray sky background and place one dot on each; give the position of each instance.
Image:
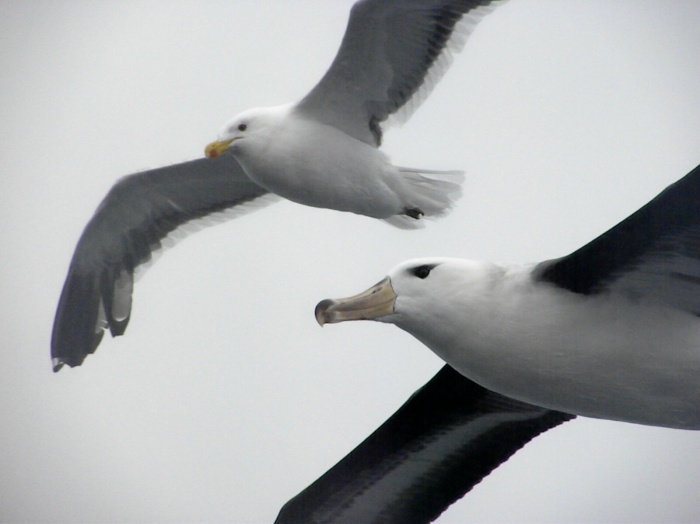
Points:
(225, 398)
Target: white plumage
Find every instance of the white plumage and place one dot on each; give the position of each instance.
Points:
(610, 331)
(316, 164)
(604, 356)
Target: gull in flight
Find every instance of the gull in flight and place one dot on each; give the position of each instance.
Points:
(322, 151)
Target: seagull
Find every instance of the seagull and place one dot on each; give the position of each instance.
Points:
(443, 441)
(610, 331)
(322, 151)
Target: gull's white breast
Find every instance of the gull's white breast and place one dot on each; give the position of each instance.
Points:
(318, 165)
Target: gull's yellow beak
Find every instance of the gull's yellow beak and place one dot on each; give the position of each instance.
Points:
(216, 148)
(376, 302)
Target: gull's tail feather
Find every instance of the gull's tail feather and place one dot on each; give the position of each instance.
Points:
(426, 194)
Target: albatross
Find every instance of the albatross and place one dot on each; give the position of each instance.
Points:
(610, 331)
(322, 151)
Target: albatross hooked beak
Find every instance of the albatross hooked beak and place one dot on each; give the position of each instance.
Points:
(216, 148)
(374, 303)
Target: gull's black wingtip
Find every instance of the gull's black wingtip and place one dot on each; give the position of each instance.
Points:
(71, 361)
(57, 364)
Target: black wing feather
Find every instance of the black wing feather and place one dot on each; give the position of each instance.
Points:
(442, 442)
(654, 253)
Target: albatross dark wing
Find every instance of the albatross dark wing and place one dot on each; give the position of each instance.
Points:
(442, 442)
(654, 254)
(392, 55)
(138, 212)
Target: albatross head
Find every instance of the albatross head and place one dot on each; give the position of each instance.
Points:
(445, 303)
(415, 293)
(251, 123)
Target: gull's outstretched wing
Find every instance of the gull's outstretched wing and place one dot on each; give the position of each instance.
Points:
(392, 55)
(137, 213)
(442, 442)
(652, 255)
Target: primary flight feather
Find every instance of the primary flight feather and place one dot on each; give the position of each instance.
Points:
(322, 152)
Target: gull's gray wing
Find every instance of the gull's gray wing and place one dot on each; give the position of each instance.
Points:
(653, 255)
(443, 441)
(137, 213)
(392, 55)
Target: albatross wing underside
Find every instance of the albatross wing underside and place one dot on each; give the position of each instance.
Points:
(136, 215)
(442, 442)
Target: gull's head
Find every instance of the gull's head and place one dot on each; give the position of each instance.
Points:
(414, 291)
(251, 123)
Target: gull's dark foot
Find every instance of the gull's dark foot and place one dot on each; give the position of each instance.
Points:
(414, 212)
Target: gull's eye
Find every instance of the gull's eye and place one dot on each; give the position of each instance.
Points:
(242, 127)
(422, 271)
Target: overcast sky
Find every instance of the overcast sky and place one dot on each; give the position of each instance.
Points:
(224, 399)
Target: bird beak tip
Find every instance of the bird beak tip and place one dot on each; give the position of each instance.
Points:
(320, 311)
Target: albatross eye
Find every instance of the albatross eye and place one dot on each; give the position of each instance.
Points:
(422, 271)
(242, 127)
